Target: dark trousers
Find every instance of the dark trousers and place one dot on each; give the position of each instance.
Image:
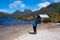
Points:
(34, 28)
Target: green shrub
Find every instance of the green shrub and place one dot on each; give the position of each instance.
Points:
(47, 20)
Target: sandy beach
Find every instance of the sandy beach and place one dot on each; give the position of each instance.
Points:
(15, 31)
(42, 35)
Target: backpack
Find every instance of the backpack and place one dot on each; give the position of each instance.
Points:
(38, 19)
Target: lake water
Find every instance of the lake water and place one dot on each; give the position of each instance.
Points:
(11, 21)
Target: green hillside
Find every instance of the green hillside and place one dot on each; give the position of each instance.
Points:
(53, 10)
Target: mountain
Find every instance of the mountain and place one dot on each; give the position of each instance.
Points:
(2, 14)
(17, 13)
(52, 8)
(27, 11)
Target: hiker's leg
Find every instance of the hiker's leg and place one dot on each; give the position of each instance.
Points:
(34, 28)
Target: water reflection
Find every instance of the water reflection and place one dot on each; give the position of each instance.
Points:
(9, 21)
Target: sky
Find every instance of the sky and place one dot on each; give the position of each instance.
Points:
(9, 6)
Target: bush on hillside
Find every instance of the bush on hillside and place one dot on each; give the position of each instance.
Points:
(47, 20)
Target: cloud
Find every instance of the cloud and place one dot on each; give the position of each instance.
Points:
(22, 5)
(41, 5)
(44, 4)
(16, 4)
(4, 10)
(56, 1)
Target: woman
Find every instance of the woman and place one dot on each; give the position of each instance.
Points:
(34, 24)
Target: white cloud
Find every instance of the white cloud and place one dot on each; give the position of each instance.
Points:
(16, 4)
(56, 1)
(4, 10)
(44, 4)
(22, 5)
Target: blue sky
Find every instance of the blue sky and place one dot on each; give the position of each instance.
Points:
(10, 6)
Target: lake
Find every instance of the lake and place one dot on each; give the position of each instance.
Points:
(12, 21)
